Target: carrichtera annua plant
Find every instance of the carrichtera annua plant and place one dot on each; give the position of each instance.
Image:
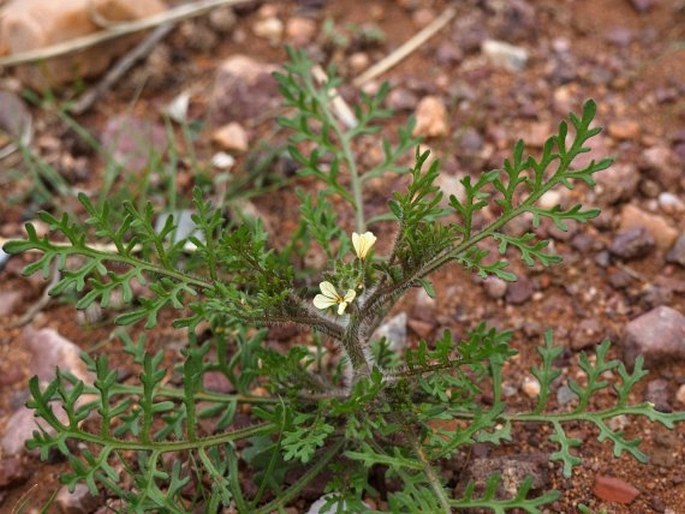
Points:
(378, 424)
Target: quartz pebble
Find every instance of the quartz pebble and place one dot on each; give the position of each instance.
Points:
(270, 29)
(504, 55)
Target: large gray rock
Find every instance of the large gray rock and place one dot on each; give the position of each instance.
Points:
(657, 335)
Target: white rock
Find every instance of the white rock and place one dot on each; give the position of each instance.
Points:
(177, 109)
(550, 199)
(318, 507)
(223, 161)
(504, 55)
(269, 28)
(670, 203)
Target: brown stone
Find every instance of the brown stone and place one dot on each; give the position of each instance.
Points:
(9, 300)
(615, 490)
(231, 137)
(421, 328)
(618, 183)
(431, 118)
(663, 233)
(244, 89)
(624, 129)
(32, 24)
(663, 164)
(300, 31)
(657, 335)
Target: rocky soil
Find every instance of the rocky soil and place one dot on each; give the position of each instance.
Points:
(499, 71)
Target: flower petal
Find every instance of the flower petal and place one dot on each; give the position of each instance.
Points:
(350, 295)
(329, 290)
(363, 243)
(356, 242)
(323, 302)
(341, 308)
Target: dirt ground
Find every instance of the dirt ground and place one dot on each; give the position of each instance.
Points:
(629, 60)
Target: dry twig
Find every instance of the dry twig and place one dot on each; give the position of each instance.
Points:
(340, 107)
(122, 66)
(407, 48)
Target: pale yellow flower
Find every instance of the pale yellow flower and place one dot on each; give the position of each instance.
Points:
(363, 243)
(331, 297)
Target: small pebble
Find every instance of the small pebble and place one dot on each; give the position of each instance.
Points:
(612, 489)
(269, 28)
(565, 395)
(633, 243)
(222, 19)
(531, 387)
(300, 31)
(504, 55)
(550, 199)
(670, 203)
(519, 292)
(431, 118)
(495, 287)
(231, 137)
(658, 227)
(223, 161)
(624, 130)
